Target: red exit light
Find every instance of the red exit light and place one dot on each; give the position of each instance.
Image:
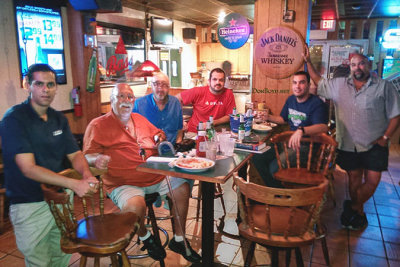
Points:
(328, 25)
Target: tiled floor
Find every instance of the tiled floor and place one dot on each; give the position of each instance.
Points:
(378, 245)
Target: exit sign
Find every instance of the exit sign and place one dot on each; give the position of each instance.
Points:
(328, 25)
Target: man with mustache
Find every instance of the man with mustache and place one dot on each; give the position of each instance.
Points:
(121, 140)
(367, 114)
(211, 100)
(36, 140)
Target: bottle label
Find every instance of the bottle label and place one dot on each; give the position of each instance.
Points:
(241, 134)
(202, 146)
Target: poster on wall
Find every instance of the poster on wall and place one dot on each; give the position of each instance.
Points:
(278, 52)
(339, 55)
(40, 37)
(234, 31)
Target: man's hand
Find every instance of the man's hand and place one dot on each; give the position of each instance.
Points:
(306, 54)
(158, 138)
(294, 141)
(85, 187)
(381, 141)
(102, 161)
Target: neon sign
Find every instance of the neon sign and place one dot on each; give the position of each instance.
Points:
(391, 39)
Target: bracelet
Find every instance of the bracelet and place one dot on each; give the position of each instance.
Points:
(385, 137)
(302, 129)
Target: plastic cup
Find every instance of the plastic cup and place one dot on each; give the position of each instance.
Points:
(211, 150)
(229, 147)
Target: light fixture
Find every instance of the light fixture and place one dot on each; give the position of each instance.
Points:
(221, 16)
(146, 69)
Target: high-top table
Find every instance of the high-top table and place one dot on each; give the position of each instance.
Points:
(220, 173)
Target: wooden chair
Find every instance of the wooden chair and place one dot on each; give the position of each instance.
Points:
(279, 218)
(320, 157)
(97, 234)
(2, 200)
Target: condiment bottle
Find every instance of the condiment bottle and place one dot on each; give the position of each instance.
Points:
(201, 141)
(241, 129)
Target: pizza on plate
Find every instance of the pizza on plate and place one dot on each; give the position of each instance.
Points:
(194, 163)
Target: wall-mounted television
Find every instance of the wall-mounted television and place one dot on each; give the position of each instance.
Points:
(40, 36)
(162, 31)
(390, 68)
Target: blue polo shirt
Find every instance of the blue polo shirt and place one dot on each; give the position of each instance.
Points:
(312, 111)
(169, 119)
(23, 131)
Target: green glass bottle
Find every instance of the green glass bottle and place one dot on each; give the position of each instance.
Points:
(91, 75)
(241, 129)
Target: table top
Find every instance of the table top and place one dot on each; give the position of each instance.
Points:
(223, 169)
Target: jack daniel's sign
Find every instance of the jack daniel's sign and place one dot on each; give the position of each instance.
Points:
(278, 52)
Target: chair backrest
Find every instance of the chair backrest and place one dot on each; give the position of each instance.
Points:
(61, 203)
(320, 154)
(298, 208)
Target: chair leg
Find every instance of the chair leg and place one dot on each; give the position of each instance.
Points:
(96, 262)
(154, 226)
(114, 260)
(274, 257)
(299, 258)
(82, 262)
(198, 202)
(288, 256)
(325, 250)
(332, 188)
(220, 194)
(250, 254)
(125, 260)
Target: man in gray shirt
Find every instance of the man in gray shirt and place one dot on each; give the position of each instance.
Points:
(367, 111)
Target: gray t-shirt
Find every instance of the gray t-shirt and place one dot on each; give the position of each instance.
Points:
(363, 116)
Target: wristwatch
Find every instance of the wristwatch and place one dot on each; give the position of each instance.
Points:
(302, 129)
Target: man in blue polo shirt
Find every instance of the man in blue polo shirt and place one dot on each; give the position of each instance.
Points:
(162, 110)
(165, 112)
(36, 139)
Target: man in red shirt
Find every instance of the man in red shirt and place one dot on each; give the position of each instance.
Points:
(212, 100)
(119, 141)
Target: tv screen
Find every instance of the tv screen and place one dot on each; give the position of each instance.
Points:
(40, 36)
(390, 67)
(162, 31)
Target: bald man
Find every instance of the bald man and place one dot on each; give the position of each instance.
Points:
(367, 114)
(118, 141)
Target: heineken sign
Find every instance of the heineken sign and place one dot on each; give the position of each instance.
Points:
(234, 31)
(278, 52)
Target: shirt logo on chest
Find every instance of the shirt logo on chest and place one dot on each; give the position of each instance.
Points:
(215, 103)
(58, 132)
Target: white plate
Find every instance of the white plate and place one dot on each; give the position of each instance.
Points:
(209, 163)
(261, 128)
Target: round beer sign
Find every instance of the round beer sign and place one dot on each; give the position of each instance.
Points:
(278, 52)
(234, 31)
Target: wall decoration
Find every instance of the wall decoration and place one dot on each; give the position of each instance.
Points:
(234, 31)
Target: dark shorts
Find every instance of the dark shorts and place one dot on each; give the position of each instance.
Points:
(375, 159)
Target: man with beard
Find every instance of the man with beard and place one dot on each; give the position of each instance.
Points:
(305, 113)
(211, 100)
(161, 109)
(36, 140)
(367, 114)
(121, 140)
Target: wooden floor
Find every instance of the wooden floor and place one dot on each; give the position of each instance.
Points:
(378, 245)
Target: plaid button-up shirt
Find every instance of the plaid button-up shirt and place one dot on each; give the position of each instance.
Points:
(361, 116)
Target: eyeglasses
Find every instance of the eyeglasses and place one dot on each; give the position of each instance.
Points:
(130, 97)
(162, 85)
(41, 85)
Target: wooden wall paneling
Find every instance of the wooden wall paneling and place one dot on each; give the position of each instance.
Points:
(371, 36)
(199, 41)
(267, 14)
(80, 57)
(347, 29)
(360, 29)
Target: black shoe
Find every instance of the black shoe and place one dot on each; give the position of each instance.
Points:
(179, 247)
(154, 250)
(358, 222)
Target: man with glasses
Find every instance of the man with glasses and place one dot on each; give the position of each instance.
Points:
(211, 100)
(36, 139)
(165, 112)
(121, 140)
